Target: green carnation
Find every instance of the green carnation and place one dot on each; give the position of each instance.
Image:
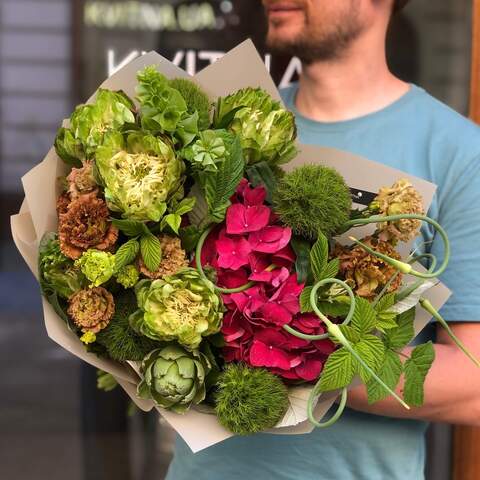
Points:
(89, 123)
(266, 129)
(140, 176)
(127, 276)
(97, 266)
(313, 198)
(174, 378)
(182, 307)
(249, 400)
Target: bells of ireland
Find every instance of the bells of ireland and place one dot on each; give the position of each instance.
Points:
(182, 307)
(174, 378)
(140, 174)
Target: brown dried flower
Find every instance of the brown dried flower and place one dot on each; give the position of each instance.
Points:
(173, 258)
(81, 181)
(366, 273)
(91, 309)
(398, 199)
(63, 201)
(85, 225)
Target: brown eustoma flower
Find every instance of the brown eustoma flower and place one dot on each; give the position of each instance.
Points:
(366, 273)
(81, 181)
(91, 309)
(173, 258)
(85, 225)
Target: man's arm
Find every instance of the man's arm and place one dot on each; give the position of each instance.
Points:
(452, 387)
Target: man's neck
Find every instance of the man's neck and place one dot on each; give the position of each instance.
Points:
(352, 86)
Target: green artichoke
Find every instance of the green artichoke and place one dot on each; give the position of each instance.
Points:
(174, 378)
(182, 307)
(266, 129)
(89, 123)
(140, 175)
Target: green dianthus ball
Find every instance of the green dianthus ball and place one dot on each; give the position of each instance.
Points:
(127, 276)
(313, 198)
(249, 400)
(120, 340)
(195, 98)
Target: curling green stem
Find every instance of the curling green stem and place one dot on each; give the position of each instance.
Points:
(338, 413)
(411, 288)
(426, 305)
(347, 320)
(403, 266)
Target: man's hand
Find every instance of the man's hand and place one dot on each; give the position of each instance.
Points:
(452, 387)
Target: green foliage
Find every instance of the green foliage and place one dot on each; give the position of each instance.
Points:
(151, 251)
(209, 150)
(338, 370)
(364, 318)
(120, 340)
(106, 381)
(301, 247)
(249, 400)
(389, 371)
(403, 334)
(386, 318)
(196, 99)
(263, 174)
(126, 253)
(319, 256)
(416, 369)
(313, 199)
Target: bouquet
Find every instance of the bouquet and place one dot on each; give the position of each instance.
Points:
(197, 256)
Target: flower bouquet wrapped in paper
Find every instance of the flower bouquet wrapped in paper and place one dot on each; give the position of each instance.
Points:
(236, 281)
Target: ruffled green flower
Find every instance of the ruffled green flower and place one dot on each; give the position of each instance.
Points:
(209, 150)
(89, 123)
(174, 378)
(266, 129)
(127, 276)
(140, 175)
(97, 266)
(182, 307)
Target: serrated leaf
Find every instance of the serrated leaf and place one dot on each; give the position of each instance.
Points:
(371, 350)
(331, 270)
(220, 185)
(305, 305)
(416, 369)
(386, 321)
(185, 206)
(403, 334)
(151, 251)
(227, 119)
(389, 371)
(261, 174)
(364, 318)
(126, 253)
(189, 237)
(302, 263)
(335, 308)
(385, 303)
(172, 220)
(319, 256)
(350, 333)
(338, 370)
(131, 228)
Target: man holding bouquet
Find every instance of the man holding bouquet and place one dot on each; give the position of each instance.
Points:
(348, 99)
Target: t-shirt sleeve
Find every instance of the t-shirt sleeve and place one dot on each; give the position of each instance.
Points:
(459, 215)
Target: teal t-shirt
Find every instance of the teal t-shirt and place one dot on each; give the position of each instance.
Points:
(423, 137)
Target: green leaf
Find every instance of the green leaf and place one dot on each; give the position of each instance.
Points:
(402, 335)
(131, 228)
(220, 185)
(331, 270)
(172, 220)
(305, 305)
(227, 119)
(385, 318)
(151, 251)
(336, 308)
(302, 263)
(364, 318)
(319, 256)
(416, 369)
(385, 302)
(338, 370)
(185, 206)
(350, 333)
(126, 253)
(371, 350)
(261, 174)
(389, 371)
(189, 237)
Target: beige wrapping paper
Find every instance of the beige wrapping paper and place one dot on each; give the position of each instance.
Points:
(241, 67)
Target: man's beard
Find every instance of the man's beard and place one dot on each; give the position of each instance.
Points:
(315, 45)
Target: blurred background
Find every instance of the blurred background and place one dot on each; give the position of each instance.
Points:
(53, 55)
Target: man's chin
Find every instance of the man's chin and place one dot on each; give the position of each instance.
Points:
(281, 43)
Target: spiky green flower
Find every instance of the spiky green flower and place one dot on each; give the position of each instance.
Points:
(266, 129)
(182, 307)
(249, 400)
(174, 378)
(211, 148)
(127, 276)
(313, 198)
(89, 123)
(98, 266)
(140, 175)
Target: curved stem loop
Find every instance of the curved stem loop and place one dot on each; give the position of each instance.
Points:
(338, 413)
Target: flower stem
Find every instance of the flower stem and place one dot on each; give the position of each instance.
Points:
(338, 413)
(426, 305)
(403, 266)
(411, 288)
